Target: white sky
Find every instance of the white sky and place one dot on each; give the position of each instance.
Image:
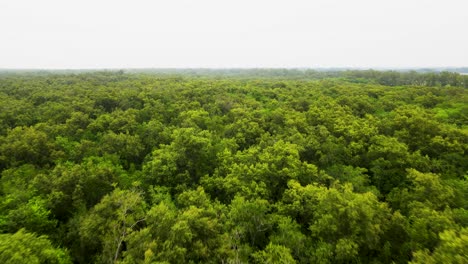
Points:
(237, 33)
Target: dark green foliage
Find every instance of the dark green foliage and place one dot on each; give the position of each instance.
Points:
(260, 166)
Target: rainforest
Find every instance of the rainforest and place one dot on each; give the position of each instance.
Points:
(233, 166)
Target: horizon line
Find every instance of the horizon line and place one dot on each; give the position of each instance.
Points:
(239, 68)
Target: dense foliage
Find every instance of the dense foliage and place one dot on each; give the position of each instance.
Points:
(259, 167)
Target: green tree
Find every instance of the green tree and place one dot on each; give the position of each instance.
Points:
(350, 224)
(452, 249)
(22, 247)
(25, 145)
(274, 254)
(191, 155)
(21, 205)
(105, 229)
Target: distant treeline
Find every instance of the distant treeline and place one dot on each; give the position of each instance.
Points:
(389, 78)
(394, 78)
(418, 77)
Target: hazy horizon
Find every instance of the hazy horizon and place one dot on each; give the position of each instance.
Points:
(183, 34)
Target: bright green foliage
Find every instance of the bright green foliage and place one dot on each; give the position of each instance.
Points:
(73, 187)
(250, 221)
(389, 160)
(22, 247)
(233, 166)
(25, 145)
(20, 206)
(346, 221)
(426, 224)
(106, 227)
(288, 234)
(183, 162)
(127, 147)
(270, 168)
(453, 248)
(426, 188)
(32, 215)
(274, 254)
(192, 233)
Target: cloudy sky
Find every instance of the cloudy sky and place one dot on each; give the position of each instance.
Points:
(240, 33)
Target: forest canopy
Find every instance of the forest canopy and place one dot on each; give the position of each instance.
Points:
(233, 166)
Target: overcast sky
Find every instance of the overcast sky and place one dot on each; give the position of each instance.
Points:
(238, 33)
